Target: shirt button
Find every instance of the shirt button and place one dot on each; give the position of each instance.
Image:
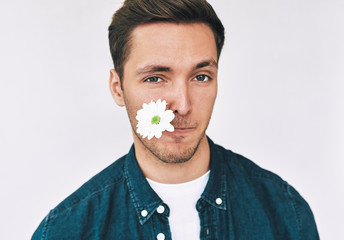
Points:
(218, 201)
(160, 209)
(144, 213)
(160, 236)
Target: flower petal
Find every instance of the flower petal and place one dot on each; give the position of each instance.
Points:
(158, 134)
(168, 115)
(144, 117)
(169, 127)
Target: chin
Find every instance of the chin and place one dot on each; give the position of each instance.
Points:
(175, 149)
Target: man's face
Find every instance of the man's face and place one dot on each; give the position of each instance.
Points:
(176, 63)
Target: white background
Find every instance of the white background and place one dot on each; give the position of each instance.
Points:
(280, 101)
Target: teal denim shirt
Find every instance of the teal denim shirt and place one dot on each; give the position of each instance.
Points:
(118, 203)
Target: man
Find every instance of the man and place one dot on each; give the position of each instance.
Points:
(175, 183)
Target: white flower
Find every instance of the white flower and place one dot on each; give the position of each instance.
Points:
(153, 119)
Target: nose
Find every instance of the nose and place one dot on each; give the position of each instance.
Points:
(179, 99)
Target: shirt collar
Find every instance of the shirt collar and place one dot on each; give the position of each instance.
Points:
(215, 192)
(146, 201)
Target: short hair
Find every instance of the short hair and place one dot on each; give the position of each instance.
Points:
(138, 12)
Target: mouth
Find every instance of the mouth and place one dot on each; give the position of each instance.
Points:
(181, 130)
(183, 126)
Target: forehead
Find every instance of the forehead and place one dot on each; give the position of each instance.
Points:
(171, 43)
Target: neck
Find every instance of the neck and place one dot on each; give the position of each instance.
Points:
(173, 173)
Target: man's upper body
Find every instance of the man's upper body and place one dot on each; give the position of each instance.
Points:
(166, 54)
(240, 201)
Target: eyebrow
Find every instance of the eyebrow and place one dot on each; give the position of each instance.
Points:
(206, 63)
(152, 68)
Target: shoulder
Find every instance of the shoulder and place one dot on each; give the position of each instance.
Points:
(93, 192)
(244, 167)
(247, 181)
(105, 179)
(259, 183)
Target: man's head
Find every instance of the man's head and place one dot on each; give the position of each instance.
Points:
(173, 59)
(138, 12)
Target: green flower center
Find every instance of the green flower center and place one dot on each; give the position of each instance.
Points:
(155, 120)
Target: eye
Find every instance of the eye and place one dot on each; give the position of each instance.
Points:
(202, 78)
(153, 79)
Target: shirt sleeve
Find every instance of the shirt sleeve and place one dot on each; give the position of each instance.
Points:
(306, 222)
(40, 233)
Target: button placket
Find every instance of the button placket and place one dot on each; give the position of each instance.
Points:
(160, 223)
(160, 236)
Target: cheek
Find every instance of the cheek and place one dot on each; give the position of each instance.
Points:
(140, 99)
(135, 99)
(204, 99)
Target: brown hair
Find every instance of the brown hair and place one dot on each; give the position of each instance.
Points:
(137, 12)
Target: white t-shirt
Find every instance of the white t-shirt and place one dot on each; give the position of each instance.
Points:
(181, 199)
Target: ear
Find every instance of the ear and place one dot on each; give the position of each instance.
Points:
(116, 88)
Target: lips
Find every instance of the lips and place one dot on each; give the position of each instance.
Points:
(183, 129)
(182, 125)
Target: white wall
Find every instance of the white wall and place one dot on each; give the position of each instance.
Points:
(280, 101)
